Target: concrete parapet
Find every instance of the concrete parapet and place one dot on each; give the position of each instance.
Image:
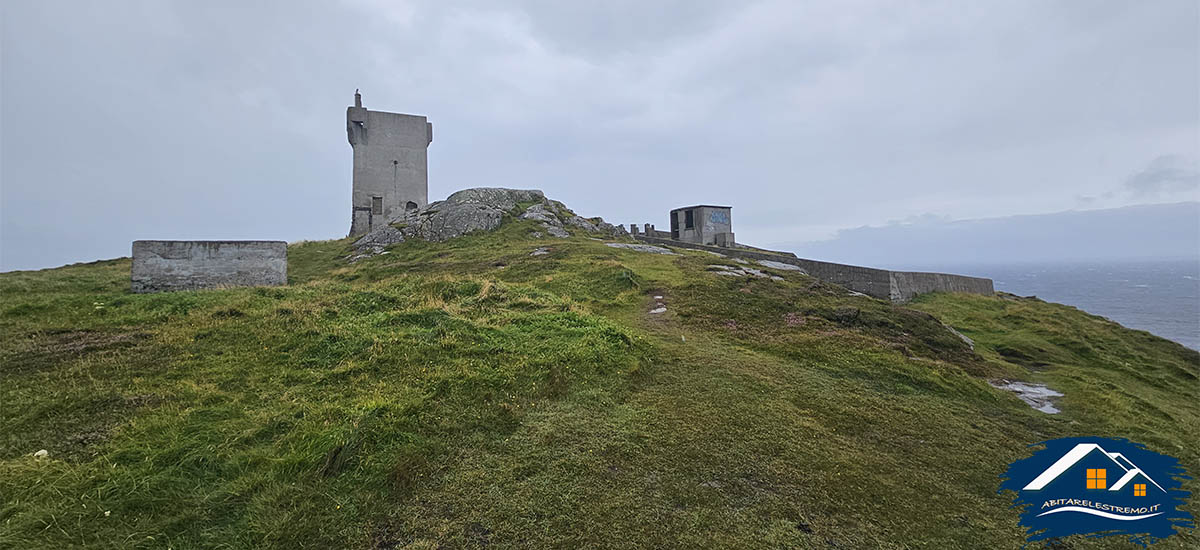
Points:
(160, 266)
(908, 284)
(897, 286)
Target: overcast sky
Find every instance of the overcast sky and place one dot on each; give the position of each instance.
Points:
(126, 120)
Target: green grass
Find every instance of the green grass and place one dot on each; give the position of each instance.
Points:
(465, 394)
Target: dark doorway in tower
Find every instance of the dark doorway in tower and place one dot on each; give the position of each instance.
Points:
(410, 212)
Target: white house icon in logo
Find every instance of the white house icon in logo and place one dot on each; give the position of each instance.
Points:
(1131, 471)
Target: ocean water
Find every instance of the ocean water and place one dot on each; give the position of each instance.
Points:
(1161, 297)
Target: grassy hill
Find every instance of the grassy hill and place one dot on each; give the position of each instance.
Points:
(467, 394)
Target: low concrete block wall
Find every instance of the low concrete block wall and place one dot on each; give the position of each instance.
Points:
(867, 280)
(908, 284)
(161, 266)
(897, 286)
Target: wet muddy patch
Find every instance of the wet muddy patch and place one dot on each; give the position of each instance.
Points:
(37, 351)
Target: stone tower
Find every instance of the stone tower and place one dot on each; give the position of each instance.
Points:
(391, 178)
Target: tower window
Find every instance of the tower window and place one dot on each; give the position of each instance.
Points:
(1096, 478)
(377, 206)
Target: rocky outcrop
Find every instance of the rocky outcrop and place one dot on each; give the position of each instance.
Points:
(731, 271)
(1037, 396)
(494, 197)
(968, 341)
(651, 249)
(480, 209)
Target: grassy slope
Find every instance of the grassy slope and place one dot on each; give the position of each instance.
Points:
(466, 394)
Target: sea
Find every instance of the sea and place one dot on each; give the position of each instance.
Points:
(1159, 296)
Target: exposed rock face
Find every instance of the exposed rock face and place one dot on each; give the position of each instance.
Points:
(493, 197)
(479, 209)
(1037, 396)
(730, 271)
(540, 213)
(651, 249)
(970, 343)
(446, 220)
(583, 224)
(556, 231)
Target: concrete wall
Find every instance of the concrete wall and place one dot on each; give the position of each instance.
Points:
(897, 286)
(867, 280)
(908, 284)
(160, 266)
(390, 162)
(649, 231)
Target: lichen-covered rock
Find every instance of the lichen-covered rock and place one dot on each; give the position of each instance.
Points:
(557, 207)
(556, 231)
(540, 213)
(496, 197)
(375, 242)
(581, 223)
(611, 230)
(731, 271)
(648, 248)
(380, 238)
(454, 219)
(479, 209)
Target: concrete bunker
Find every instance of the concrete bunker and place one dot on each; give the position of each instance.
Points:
(163, 266)
(703, 224)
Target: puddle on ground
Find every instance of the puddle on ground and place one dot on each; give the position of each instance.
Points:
(1037, 396)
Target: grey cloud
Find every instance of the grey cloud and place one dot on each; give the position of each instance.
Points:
(155, 119)
(1165, 175)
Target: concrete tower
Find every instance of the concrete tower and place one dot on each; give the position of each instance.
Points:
(391, 178)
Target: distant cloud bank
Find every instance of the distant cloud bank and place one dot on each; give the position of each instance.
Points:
(1132, 232)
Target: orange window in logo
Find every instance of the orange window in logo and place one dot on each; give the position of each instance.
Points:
(1139, 489)
(1096, 478)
